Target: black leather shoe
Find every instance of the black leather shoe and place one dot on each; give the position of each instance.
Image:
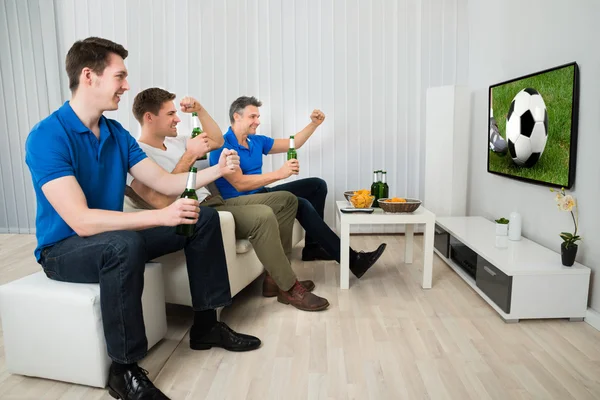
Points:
(313, 253)
(363, 261)
(223, 336)
(132, 384)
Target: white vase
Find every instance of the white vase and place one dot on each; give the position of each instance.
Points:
(501, 229)
(514, 226)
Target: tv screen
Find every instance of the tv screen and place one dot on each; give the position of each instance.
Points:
(532, 127)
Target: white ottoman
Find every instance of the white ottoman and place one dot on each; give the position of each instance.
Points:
(54, 329)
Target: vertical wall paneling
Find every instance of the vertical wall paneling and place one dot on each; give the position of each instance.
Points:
(366, 64)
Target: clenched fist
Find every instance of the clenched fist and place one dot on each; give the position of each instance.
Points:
(199, 145)
(189, 104)
(229, 162)
(291, 167)
(317, 117)
(182, 211)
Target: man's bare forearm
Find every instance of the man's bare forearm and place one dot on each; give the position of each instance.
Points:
(244, 183)
(211, 128)
(302, 136)
(174, 184)
(186, 161)
(95, 221)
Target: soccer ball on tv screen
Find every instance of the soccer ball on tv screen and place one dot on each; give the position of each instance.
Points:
(527, 127)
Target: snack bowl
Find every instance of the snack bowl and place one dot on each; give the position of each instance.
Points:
(407, 206)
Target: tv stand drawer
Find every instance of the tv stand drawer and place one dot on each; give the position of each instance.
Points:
(494, 283)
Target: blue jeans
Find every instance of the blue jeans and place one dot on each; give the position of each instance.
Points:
(116, 260)
(311, 193)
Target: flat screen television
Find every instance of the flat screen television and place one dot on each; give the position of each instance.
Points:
(532, 127)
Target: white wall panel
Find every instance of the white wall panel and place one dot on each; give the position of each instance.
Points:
(364, 63)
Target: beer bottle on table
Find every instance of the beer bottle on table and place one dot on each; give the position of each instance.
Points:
(291, 154)
(188, 193)
(384, 189)
(379, 184)
(196, 129)
(375, 189)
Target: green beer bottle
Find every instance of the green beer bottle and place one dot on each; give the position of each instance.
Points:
(375, 189)
(197, 129)
(384, 189)
(188, 193)
(291, 154)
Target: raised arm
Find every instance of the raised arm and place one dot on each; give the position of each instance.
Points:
(211, 128)
(281, 145)
(194, 149)
(67, 198)
(227, 165)
(155, 177)
(244, 183)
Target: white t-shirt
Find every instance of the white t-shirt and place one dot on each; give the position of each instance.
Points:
(169, 158)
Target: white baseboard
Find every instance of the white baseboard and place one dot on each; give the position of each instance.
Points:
(592, 317)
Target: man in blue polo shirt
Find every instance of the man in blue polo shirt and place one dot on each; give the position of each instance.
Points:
(78, 161)
(321, 242)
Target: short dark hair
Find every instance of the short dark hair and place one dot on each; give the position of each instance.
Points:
(150, 100)
(240, 103)
(92, 52)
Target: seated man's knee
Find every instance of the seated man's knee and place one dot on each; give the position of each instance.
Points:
(263, 214)
(208, 214)
(128, 246)
(320, 184)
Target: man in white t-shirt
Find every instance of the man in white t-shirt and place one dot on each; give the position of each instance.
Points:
(266, 220)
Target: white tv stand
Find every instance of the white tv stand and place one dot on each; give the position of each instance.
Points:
(524, 280)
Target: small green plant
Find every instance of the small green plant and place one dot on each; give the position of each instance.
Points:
(502, 220)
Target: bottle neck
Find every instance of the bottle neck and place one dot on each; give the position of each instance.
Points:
(292, 144)
(374, 176)
(191, 181)
(383, 178)
(195, 122)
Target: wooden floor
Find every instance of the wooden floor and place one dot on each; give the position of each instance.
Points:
(385, 338)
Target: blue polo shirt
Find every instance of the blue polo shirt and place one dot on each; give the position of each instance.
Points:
(61, 145)
(250, 160)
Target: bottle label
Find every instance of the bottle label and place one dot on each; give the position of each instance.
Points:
(191, 181)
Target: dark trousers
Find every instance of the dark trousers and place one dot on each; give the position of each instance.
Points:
(116, 260)
(311, 193)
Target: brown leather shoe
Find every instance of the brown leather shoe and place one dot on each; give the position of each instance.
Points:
(270, 288)
(301, 299)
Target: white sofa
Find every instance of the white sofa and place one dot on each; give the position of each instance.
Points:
(243, 265)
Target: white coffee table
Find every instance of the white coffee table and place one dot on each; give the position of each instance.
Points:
(420, 216)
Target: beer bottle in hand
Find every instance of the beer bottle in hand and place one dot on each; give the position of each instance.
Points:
(197, 129)
(291, 154)
(188, 193)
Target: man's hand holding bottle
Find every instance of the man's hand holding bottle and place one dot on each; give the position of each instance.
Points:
(289, 168)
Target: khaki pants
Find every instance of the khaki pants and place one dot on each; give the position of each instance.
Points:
(267, 221)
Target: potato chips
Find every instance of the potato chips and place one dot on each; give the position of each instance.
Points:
(362, 199)
(395, 200)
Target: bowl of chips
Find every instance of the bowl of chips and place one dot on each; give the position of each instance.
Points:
(360, 198)
(399, 205)
(348, 194)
